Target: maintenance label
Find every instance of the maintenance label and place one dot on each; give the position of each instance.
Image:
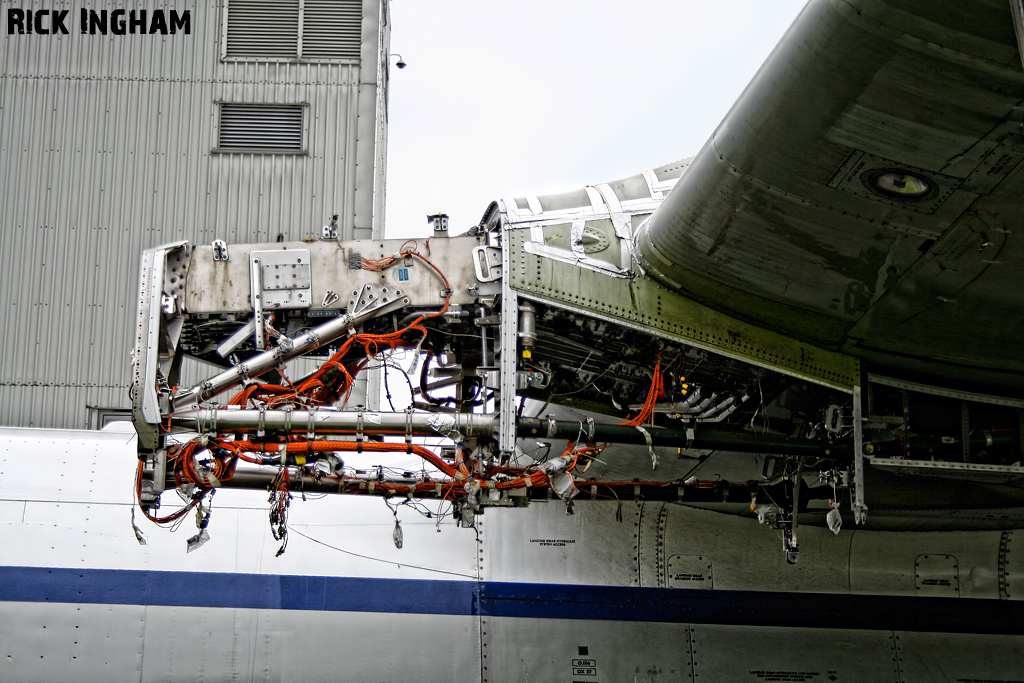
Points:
(554, 542)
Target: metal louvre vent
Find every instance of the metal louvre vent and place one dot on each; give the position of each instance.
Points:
(332, 29)
(289, 30)
(267, 29)
(261, 128)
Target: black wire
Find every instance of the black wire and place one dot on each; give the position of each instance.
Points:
(387, 389)
(377, 559)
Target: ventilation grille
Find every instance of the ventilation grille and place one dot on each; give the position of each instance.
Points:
(331, 29)
(308, 30)
(267, 29)
(264, 128)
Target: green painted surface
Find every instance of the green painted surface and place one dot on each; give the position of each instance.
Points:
(647, 305)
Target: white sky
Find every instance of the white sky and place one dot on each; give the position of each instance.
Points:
(538, 96)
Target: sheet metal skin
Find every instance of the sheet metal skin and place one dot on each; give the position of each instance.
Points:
(223, 286)
(84, 601)
(668, 592)
(572, 251)
(776, 222)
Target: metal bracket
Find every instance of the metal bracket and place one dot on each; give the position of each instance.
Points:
(220, 250)
(256, 294)
(509, 337)
(367, 298)
(408, 430)
(487, 263)
(288, 418)
(860, 509)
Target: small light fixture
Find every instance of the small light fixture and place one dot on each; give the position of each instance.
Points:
(401, 62)
(899, 184)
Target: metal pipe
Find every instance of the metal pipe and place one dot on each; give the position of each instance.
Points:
(710, 492)
(527, 324)
(285, 351)
(477, 425)
(741, 442)
(336, 422)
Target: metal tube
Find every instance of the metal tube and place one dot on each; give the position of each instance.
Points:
(477, 425)
(527, 324)
(288, 349)
(336, 422)
(741, 442)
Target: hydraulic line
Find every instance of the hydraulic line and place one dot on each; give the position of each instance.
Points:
(477, 425)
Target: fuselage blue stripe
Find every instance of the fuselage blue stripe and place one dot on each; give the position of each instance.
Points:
(258, 591)
(503, 599)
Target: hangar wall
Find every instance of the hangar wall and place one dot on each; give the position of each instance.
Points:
(113, 141)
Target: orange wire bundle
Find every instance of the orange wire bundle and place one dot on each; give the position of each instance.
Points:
(646, 414)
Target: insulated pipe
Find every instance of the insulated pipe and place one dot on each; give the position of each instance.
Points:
(477, 425)
(741, 442)
(286, 350)
(336, 422)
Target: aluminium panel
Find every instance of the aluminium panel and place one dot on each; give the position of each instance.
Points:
(643, 304)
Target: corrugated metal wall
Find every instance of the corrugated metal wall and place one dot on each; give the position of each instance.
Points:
(106, 149)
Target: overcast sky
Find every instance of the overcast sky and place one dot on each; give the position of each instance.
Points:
(502, 99)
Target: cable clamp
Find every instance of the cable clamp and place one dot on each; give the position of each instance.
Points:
(261, 429)
(213, 421)
(591, 428)
(359, 431)
(288, 418)
(689, 437)
(408, 430)
(311, 423)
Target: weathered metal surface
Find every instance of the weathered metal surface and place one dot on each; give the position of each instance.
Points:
(223, 286)
(644, 304)
(108, 150)
(780, 220)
